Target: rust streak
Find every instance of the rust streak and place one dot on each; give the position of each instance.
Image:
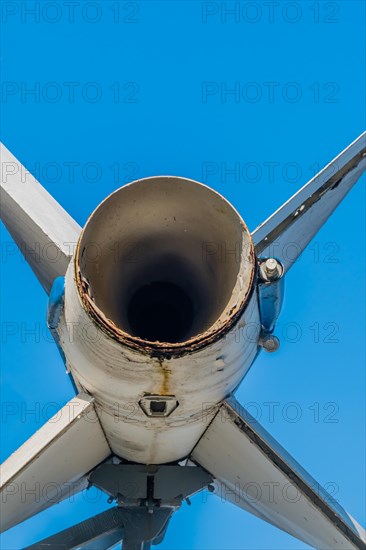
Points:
(166, 372)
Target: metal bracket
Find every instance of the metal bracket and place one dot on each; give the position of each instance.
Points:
(147, 496)
(55, 307)
(150, 486)
(270, 295)
(137, 528)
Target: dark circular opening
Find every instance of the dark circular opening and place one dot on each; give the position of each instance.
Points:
(160, 311)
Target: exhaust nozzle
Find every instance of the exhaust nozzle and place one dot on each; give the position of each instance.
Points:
(164, 263)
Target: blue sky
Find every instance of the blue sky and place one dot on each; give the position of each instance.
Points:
(124, 90)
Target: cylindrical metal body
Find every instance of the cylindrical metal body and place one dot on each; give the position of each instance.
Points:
(160, 311)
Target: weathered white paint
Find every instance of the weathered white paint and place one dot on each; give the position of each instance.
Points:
(119, 372)
(254, 472)
(45, 233)
(118, 377)
(51, 465)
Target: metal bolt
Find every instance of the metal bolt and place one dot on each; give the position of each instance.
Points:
(271, 266)
(269, 342)
(271, 269)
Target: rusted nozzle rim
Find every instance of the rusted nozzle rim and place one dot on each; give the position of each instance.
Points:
(121, 202)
